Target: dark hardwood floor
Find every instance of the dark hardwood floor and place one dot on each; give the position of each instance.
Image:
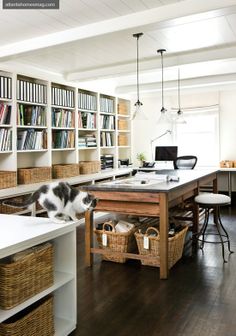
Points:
(199, 298)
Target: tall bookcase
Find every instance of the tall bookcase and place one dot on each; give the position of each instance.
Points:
(44, 122)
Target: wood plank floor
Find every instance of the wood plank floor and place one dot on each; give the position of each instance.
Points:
(199, 298)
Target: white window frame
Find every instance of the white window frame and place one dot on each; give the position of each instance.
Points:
(191, 113)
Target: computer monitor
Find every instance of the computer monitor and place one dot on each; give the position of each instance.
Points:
(166, 153)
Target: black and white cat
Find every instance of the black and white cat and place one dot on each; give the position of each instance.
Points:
(61, 201)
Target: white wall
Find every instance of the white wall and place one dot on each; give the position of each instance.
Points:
(144, 131)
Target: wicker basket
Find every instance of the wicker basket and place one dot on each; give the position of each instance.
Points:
(35, 320)
(65, 170)
(33, 175)
(226, 164)
(7, 209)
(89, 167)
(116, 242)
(28, 275)
(175, 246)
(122, 124)
(7, 179)
(122, 108)
(122, 140)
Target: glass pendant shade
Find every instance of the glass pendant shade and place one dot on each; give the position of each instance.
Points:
(138, 111)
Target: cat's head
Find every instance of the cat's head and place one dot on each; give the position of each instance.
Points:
(89, 201)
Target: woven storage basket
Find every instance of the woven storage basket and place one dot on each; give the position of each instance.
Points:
(122, 124)
(116, 242)
(33, 175)
(122, 140)
(122, 108)
(7, 179)
(29, 275)
(65, 170)
(175, 246)
(7, 209)
(36, 320)
(89, 167)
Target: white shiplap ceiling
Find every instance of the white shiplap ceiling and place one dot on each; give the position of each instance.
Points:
(92, 39)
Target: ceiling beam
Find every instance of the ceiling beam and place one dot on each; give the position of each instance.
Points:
(190, 83)
(149, 19)
(171, 60)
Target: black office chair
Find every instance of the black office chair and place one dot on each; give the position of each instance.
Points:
(185, 162)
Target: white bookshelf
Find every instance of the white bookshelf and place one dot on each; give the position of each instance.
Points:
(18, 233)
(76, 101)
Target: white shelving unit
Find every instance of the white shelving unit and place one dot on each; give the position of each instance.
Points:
(29, 92)
(18, 233)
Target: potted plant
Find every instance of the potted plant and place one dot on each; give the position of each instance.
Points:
(141, 158)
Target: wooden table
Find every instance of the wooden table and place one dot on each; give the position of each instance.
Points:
(151, 201)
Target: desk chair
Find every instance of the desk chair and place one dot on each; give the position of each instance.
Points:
(185, 162)
(210, 201)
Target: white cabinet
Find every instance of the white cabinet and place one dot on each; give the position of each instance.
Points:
(18, 233)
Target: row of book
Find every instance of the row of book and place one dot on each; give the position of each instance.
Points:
(31, 115)
(5, 87)
(62, 118)
(87, 141)
(5, 114)
(87, 101)
(106, 139)
(86, 120)
(63, 97)
(31, 92)
(107, 122)
(31, 139)
(63, 139)
(107, 161)
(106, 105)
(5, 139)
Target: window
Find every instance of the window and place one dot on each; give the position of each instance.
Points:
(200, 135)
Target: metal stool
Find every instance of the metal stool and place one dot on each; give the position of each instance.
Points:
(210, 201)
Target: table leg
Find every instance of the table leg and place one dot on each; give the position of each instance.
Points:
(164, 229)
(88, 237)
(229, 184)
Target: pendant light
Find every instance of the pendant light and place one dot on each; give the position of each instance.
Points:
(164, 117)
(138, 112)
(179, 119)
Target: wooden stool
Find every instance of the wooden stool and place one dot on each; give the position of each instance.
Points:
(210, 201)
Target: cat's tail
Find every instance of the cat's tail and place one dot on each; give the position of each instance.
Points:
(24, 203)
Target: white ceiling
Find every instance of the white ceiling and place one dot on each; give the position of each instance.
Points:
(88, 40)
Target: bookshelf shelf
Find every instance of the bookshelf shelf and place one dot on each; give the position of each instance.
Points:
(62, 107)
(6, 100)
(87, 148)
(5, 126)
(5, 152)
(32, 150)
(63, 149)
(63, 124)
(30, 103)
(63, 128)
(30, 126)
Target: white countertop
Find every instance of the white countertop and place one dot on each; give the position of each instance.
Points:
(21, 232)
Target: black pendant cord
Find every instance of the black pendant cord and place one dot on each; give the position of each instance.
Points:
(162, 79)
(137, 36)
(179, 90)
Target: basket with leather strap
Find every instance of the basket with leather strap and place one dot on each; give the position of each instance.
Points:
(116, 242)
(175, 246)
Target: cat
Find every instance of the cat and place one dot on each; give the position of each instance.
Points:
(61, 201)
